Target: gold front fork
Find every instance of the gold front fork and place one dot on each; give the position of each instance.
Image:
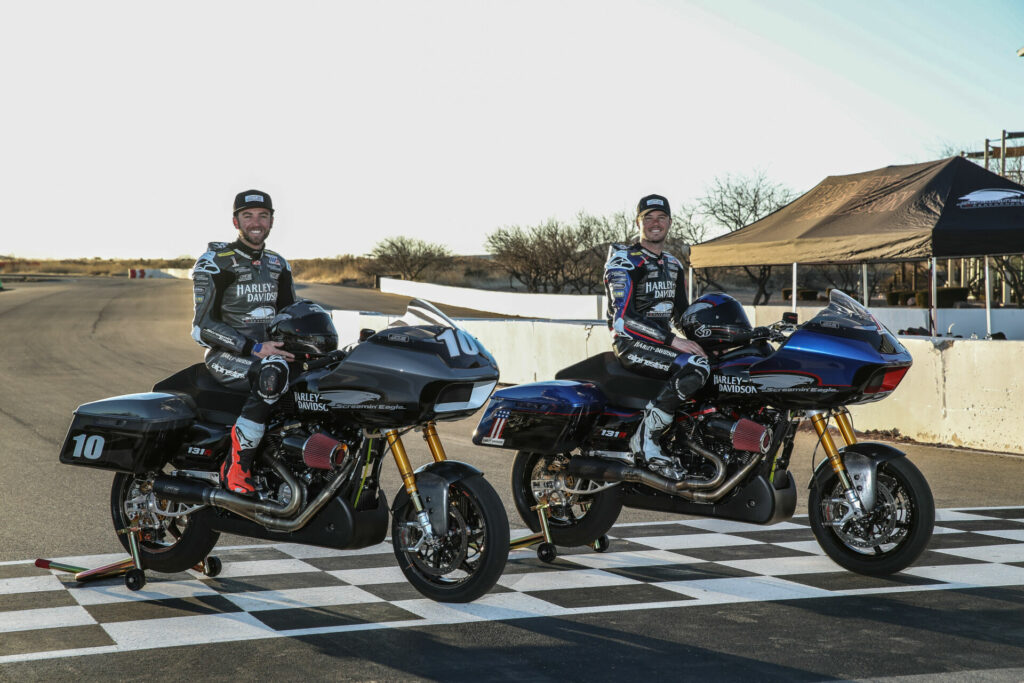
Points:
(820, 422)
(433, 442)
(404, 468)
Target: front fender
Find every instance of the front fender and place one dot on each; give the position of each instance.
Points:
(862, 461)
(432, 481)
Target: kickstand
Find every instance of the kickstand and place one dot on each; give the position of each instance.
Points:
(546, 551)
(130, 567)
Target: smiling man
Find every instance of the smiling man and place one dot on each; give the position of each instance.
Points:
(238, 288)
(646, 300)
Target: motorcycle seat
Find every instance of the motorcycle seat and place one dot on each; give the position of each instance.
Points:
(624, 388)
(216, 402)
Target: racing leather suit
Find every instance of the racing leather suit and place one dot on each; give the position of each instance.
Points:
(237, 292)
(646, 299)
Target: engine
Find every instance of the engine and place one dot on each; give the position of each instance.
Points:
(733, 439)
(311, 452)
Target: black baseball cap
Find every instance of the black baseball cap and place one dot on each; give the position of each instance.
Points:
(252, 199)
(652, 202)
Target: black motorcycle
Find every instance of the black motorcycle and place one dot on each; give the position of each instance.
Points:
(870, 508)
(318, 472)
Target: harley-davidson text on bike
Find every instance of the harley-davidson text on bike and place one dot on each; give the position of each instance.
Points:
(318, 472)
(870, 508)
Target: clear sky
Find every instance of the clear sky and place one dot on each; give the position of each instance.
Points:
(128, 127)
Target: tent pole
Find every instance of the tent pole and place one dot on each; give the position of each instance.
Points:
(864, 283)
(1002, 157)
(689, 286)
(794, 287)
(988, 303)
(935, 300)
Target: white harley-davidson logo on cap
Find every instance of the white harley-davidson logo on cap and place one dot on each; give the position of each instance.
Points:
(254, 198)
(656, 202)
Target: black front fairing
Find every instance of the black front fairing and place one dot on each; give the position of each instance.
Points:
(402, 376)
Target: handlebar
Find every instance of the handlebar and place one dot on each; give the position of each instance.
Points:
(324, 360)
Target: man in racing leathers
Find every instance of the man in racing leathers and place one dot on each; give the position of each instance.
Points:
(646, 300)
(238, 288)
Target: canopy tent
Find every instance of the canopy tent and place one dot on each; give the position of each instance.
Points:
(950, 208)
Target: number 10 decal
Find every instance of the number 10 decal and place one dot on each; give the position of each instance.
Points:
(91, 447)
(458, 340)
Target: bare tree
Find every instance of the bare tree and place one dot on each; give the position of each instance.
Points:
(734, 201)
(406, 256)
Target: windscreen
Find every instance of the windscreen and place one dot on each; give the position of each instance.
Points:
(423, 313)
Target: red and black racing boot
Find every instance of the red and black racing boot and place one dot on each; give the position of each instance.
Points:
(236, 472)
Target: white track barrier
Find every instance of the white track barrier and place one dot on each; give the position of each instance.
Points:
(959, 392)
(550, 306)
(164, 273)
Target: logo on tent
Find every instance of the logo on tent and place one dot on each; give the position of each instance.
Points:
(991, 198)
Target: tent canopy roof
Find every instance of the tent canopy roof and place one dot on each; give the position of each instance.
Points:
(947, 208)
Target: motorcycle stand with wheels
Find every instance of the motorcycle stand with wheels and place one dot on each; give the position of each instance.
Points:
(131, 567)
(546, 551)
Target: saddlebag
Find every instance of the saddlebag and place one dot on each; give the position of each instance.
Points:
(540, 417)
(135, 433)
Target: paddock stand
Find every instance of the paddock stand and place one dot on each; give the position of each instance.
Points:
(546, 550)
(130, 567)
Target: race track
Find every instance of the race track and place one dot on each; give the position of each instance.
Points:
(787, 614)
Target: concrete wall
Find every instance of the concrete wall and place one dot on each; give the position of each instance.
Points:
(551, 306)
(959, 392)
(962, 322)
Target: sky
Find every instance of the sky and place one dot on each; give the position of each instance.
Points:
(128, 127)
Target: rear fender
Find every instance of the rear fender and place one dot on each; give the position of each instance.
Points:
(432, 481)
(862, 461)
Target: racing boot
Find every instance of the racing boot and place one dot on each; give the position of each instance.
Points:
(236, 472)
(644, 442)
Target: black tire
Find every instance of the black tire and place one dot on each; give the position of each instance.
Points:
(892, 537)
(169, 544)
(135, 579)
(546, 552)
(602, 545)
(470, 558)
(212, 566)
(577, 520)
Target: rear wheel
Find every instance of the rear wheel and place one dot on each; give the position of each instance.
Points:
(170, 543)
(891, 536)
(467, 561)
(575, 518)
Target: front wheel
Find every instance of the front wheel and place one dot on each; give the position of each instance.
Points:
(891, 536)
(171, 542)
(573, 518)
(467, 561)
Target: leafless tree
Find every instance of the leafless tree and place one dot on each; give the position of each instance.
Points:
(409, 258)
(734, 201)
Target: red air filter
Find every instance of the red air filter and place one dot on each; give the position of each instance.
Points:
(748, 435)
(322, 452)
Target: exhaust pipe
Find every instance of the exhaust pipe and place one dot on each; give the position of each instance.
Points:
(271, 515)
(597, 469)
(192, 492)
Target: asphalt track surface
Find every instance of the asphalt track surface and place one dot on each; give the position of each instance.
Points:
(68, 342)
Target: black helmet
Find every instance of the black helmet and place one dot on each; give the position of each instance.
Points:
(305, 328)
(715, 320)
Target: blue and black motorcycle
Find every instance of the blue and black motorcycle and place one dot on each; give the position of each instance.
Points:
(870, 508)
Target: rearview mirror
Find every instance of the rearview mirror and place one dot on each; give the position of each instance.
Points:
(790, 317)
